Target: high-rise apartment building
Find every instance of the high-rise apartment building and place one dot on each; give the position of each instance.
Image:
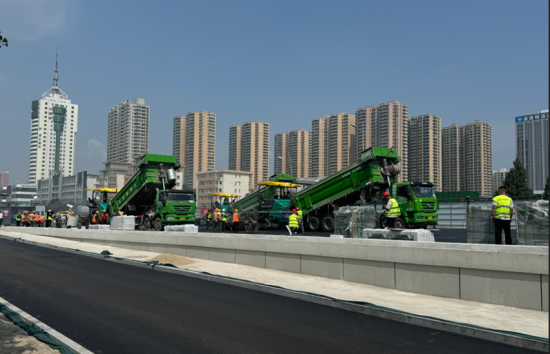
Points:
(194, 144)
(499, 177)
(4, 179)
(466, 158)
(292, 153)
(54, 121)
(425, 149)
(385, 125)
(249, 150)
(128, 130)
(532, 147)
(332, 144)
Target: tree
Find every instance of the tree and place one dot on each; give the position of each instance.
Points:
(3, 41)
(516, 181)
(545, 193)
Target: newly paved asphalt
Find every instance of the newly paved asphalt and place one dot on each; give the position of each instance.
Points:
(115, 308)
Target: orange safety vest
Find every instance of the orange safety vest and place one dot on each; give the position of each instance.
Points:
(38, 218)
(94, 219)
(24, 218)
(218, 216)
(235, 217)
(31, 217)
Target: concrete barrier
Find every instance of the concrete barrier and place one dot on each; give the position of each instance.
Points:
(498, 274)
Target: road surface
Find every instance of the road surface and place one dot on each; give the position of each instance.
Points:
(109, 307)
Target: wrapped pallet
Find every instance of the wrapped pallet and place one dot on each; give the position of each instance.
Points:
(350, 221)
(122, 223)
(479, 226)
(532, 223)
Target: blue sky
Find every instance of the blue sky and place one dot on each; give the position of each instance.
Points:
(281, 62)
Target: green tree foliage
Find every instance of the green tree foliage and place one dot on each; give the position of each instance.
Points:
(545, 193)
(3, 41)
(516, 181)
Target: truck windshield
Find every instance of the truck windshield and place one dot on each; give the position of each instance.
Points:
(423, 192)
(180, 197)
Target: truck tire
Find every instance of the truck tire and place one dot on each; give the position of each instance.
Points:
(146, 225)
(313, 223)
(157, 223)
(399, 223)
(328, 224)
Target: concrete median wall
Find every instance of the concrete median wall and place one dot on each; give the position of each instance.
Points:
(498, 274)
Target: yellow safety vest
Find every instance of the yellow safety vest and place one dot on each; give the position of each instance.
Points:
(209, 216)
(395, 211)
(300, 216)
(503, 206)
(224, 219)
(293, 220)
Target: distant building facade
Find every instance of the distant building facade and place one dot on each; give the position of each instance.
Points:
(114, 175)
(128, 130)
(54, 122)
(499, 177)
(68, 189)
(332, 144)
(425, 149)
(467, 158)
(385, 125)
(194, 144)
(292, 153)
(4, 179)
(222, 181)
(249, 150)
(532, 147)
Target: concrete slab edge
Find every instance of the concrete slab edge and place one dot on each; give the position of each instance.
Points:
(485, 334)
(75, 347)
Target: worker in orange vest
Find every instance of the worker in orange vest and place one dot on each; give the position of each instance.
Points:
(104, 217)
(38, 220)
(96, 217)
(236, 221)
(31, 218)
(24, 219)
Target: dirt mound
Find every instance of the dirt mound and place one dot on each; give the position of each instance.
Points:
(176, 260)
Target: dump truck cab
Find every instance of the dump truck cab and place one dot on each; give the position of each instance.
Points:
(417, 202)
(175, 206)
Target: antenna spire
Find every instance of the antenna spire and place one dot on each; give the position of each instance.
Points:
(55, 78)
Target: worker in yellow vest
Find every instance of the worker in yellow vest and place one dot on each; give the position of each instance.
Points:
(293, 223)
(208, 218)
(392, 210)
(300, 218)
(501, 215)
(236, 222)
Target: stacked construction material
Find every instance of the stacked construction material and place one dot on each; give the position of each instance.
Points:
(123, 222)
(532, 223)
(182, 228)
(419, 235)
(350, 221)
(99, 227)
(479, 226)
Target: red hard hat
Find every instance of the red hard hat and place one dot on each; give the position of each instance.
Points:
(385, 194)
(294, 211)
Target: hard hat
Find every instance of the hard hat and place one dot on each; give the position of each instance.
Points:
(385, 194)
(67, 211)
(293, 211)
(97, 212)
(34, 211)
(236, 210)
(105, 210)
(297, 208)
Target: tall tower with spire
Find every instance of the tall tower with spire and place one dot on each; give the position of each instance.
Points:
(54, 122)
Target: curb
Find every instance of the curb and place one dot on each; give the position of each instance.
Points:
(480, 333)
(72, 345)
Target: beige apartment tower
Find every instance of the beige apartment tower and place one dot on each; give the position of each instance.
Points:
(128, 131)
(466, 158)
(292, 153)
(332, 144)
(425, 150)
(194, 144)
(385, 125)
(249, 150)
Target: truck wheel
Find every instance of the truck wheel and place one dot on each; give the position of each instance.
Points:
(146, 225)
(328, 224)
(313, 223)
(399, 223)
(157, 224)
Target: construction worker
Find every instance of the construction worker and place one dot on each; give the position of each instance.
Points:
(208, 218)
(392, 210)
(293, 223)
(95, 219)
(18, 219)
(236, 221)
(58, 221)
(104, 217)
(38, 220)
(225, 223)
(300, 219)
(501, 215)
(217, 220)
(68, 214)
(31, 219)
(48, 218)
(24, 218)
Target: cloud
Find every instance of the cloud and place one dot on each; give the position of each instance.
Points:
(31, 20)
(95, 150)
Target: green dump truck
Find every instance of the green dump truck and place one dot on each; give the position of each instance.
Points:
(363, 183)
(148, 195)
(268, 206)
